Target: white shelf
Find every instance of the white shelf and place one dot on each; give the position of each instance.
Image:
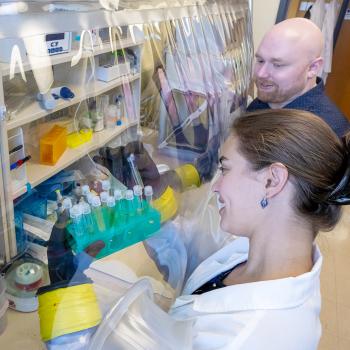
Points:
(67, 57)
(37, 173)
(34, 111)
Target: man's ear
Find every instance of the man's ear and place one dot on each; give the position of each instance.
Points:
(277, 177)
(315, 67)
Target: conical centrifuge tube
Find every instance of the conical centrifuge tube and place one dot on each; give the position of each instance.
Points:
(138, 198)
(97, 213)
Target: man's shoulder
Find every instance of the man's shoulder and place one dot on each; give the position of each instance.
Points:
(321, 105)
(256, 104)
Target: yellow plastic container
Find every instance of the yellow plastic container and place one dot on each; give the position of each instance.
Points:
(52, 145)
(76, 139)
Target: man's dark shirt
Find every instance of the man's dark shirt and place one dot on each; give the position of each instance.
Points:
(317, 102)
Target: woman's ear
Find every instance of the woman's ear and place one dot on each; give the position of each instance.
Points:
(276, 178)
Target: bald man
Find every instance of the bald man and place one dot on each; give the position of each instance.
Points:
(285, 72)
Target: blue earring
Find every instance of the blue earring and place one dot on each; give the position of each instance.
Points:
(264, 203)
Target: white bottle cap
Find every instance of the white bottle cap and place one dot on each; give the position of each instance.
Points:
(137, 190)
(110, 202)
(96, 202)
(104, 196)
(67, 203)
(75, 211)
(148, 191)
(129, 195)
(85, 208)
(90, 196)
(85, 190)
(106, 185)
(118, 195)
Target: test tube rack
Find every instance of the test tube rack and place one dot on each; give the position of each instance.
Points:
(125, 232)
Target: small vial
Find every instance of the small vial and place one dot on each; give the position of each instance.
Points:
(138, 198)
(148, 190)
(110, 211)
(59, 200)
(85, 190)
(119, 205)
(67, 203)
(106, 186)
(76, 216)
(134, 170)
(129, 202)
(90, 197)
(97, 213)
(104, 196)
(87, 217)
(78, 191)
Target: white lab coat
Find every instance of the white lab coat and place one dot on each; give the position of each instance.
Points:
(277, 314)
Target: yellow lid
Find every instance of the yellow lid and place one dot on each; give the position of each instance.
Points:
(75, 139)
(189, 175)
(68, 310)
(166, 204)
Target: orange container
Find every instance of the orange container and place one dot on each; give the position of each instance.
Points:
(52, 145)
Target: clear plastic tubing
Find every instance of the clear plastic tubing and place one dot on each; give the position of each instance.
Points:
(134, 170)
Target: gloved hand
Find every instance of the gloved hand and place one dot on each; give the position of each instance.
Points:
(70, 294)
(65, 268)
(116, 161)
(207, 163)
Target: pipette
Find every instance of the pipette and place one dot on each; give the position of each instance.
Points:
(134, 170)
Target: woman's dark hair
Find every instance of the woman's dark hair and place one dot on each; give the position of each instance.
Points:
(316, 159)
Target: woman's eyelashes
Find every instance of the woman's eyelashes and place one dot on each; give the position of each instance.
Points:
(222, 169)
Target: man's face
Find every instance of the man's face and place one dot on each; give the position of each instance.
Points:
(280, 71)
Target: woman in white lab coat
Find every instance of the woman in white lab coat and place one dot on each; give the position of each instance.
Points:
(284, 175)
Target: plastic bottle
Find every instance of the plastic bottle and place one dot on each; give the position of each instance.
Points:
(85, 190)
(88, 220)
(138, 199)
(104, 196)
(110, 211)
(77, 220)
(97, 213)
(67, 204)
(59, 200)
(148, 191)
(129, 203)
(111, 117)
(106, 186)
(119, 207)
(119, 106)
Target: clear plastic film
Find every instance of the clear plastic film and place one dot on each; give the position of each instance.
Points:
(115, 113)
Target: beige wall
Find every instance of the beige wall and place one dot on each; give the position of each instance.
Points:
(264, 17)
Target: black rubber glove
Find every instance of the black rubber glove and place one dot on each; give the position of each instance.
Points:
(116, 161)
(65, 268)
(207, 163)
